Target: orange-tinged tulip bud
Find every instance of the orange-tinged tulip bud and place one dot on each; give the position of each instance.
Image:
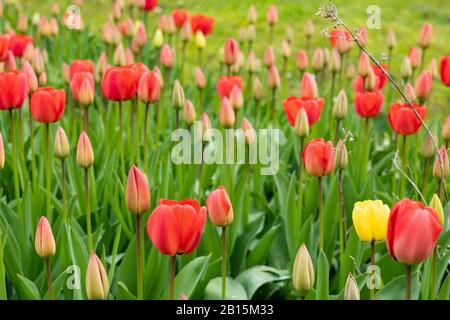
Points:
(445, 134)
(200, 81)
(140, 36)
(273, 78)
(257, 90)
(85, 153)
(65, 72)
(54, 28)
(22, 24)
(205, 127)
(236, 98)
(32, 80)
(230, 52)
(302, 60)
(269, 57)
(61, 148)
(249, 132)
(427, 149)
(364, 65)
(129, 57)
(219, 207)
(29, 52)
(285, 49)
(38, 61)
(44, 242)
(186, 32)
(410, 92)
(86, 93)
(138, 192)
(189, 113)
(351, 71)
(318, 60)
(437, 172)
(415, 55)
(423, 85)
(426, 35)
(43, 79)
(2, 152)
(227, 117)
(97, 285)
(308, 86)
(370, 82)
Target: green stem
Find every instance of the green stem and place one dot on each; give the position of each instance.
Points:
(173, 261)
(426, 166)
(33, 161)
(372, 263)
(300, 184)
(321, 222)
(147, 107)
(86, 119)
(88, 211)
(403, 182)
(140, 288)
(14, 164)
(200, 104)
(21, 149)
(224, 262)
(122, 155)
(47, 169)
(408, 282)
(341, 218)
(433, 274)
(48, 270)
(63, 188)
(134, 106)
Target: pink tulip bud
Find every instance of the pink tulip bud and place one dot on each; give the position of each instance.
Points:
(363, 35)
(86, 93)
(22, 24)
(28, 52)
(269, 57)
(167, 56)
(308, 86)
(140, 37)
(272, 15)
(370, 82)
(200, 81)
(149, 88)
(351, 71)
(318, 60)
(424, 84)
(219, 207)
(227, 117)
(426, 35)
(32, 80)
(138, 192)
(85, 153)
(230, 52)
(415, 56)
(364, 65)
(249, 132)
(205, 127)
(309, 28)
(437, 172)
(54, 28)
(97, 284)
(189, 112)
(285, 49)
(186, 32)
(236, 98)
(273, 77)
(44, 242)
(302, 60)
(119, 58)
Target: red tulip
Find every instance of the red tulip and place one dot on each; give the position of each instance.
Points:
(318, 157)
(423, 85)
(226, 84)
(202, 23)
(175, 227)
(180, 16)
(445, 70)
(82, 86)
(219, 207)
(138, 192)
(118, 83)
(413, 230)
(380, 75)
(81, 66)
(148, 5)
(4, 46)
(140, 69)
(18, 43)
(47, 104)
(403, 120)
(13, 89)
(230, 52)
(368, 104)
(313, 107)
(339, 36)
(149, 87)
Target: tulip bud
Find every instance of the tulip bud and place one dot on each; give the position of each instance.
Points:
(97, 285)
(437, 172)
(61, 148)
(391, 39)
(432, 68)
(424, 85)
(200, 81)
(236, 98)
(309, 28)
(85, 154)
(65, 72)
(427, 150)
(200, 40)
(242, 35)
(227, 117)
(86, 93)
(186, 32)
(189, 113)
(341, 155)
(436, 204)
(273, 78)
(178, 99)
(340, 105)
(167, 56)
(308, 86)
(251, 33)
(370, 82)
(32, 80)
(206, 127)
(415, 56)
(2, 152)
(445, 134)
(303, 271)
(29, 52)
(219, 207)
(351, 71)
(351, 291)
(289, 34)
(44, 242)
(253, 63)
(119, 58)
(252, 15)
(285, 49)
(335, 61)
(302, 60)
(318, 60)
(138, 192)
(10, 62)
(230, 52)
(272, 15)
(409, 92)
(257, 90)
(43, 79)
(158, 39)
(405, 68)
(426, 35)
(364, 65)
(269, 57)
(249, 132)
(302, 124)
(22, 24)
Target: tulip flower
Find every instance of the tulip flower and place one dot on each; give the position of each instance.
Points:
(202, 23)
(425, 36)
(351, 290)
(318, 60)
(62, 151)
(301, 61)
(272, 19)
(410, 93)
(97, 284)
(441, 167)
(18, 43)
(252, 14)
(47, 104)
(230, 53)
(180, 16)
(445, 70)
(226, 84)
(269, 57)
(391, 39)
(303, 272)
(412, 233)
(148, 5)
(423, 86)
(249, 132)
(4, 46)
(313, 107)
(82, 87)
(13, 89)
(81, 66)
(175, 227)
(45, 246)
(403, 120)
(118, 83)
(368, 104)
(416, 57)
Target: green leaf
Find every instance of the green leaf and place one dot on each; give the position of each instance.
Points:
(235, 290)
(395, 290)
(254, 278)
(444, 293)
(124, 293)
(262, 249)
(322, 277)
(29, 288)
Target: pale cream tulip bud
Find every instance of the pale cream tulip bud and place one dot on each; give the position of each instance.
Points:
(178, 98)
(285, 49)
(289, 34)
(371, 81)
(119, 58)
(257, 90)
(158, 39)
(252, 15)
(186, 32)
(205, 127)
(436, 204)
(391, 39)
(351, 291)
(427, 149)
(61, 148)
(309, 28)
(318, 60)
(236, 98)
(200, 40)
(405, 68)
(410, 92)
(251, 33)
(85, 153)
(335, 61)
(189, 113)
(227, 117)
(97, 285)
(65, 72)
(341, 155)
(249, 132)
(302, 124)
(340, 105)
(273, 78)
(303, 271)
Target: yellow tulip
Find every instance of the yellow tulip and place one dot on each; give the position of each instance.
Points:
(370, 219)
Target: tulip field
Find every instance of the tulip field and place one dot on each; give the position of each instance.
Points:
(241, 150)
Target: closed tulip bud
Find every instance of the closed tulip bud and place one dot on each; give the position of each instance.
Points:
(85, 154)
(249, 132)
(200, 81)
(335, 61)
(100, 67)
(257, 90)
(140, 35)
(370, 83)
(54, 28)
(253, 63)
(432, 68)
(318, 60)
(219, 207)
(273, 78)
(302, 60)
(309, 28)
(186, 32)
(427, 149)
(200, 40)
(189, 113)
(230, 52)
(445, 134)
(61, 148)
(370, 218)
(22, 24)
(43, 79)
(341, 155)
(269, 57)
(405, 68)
(55, 8)
(44, 242)
(10, 62)
(167, 56)
(285, 49)
(423, 85)
(391, 39)
(251, 33)
(363, 35)
(340, 105)
(86, 93)
(65, 72)
(205, 127)
(236, 98)
(2, 152)
(308, 86)
(242, 35)
(178, 99)
(436, 204)
(415, 56)
(410, 92)
(437, 170)
(351, 71)
(302, 124)
(303, 271)
(138, 192)
(272, 15)
(29, 52)
(32, 80)
(364, 65)
(318, 157)
(426, 35)
(289, 34)
(252, 15)
(236, 68)
(97, 285)
(158, 39)
(227, 116)
(129, 57)
(351, 290)
(119, 58)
